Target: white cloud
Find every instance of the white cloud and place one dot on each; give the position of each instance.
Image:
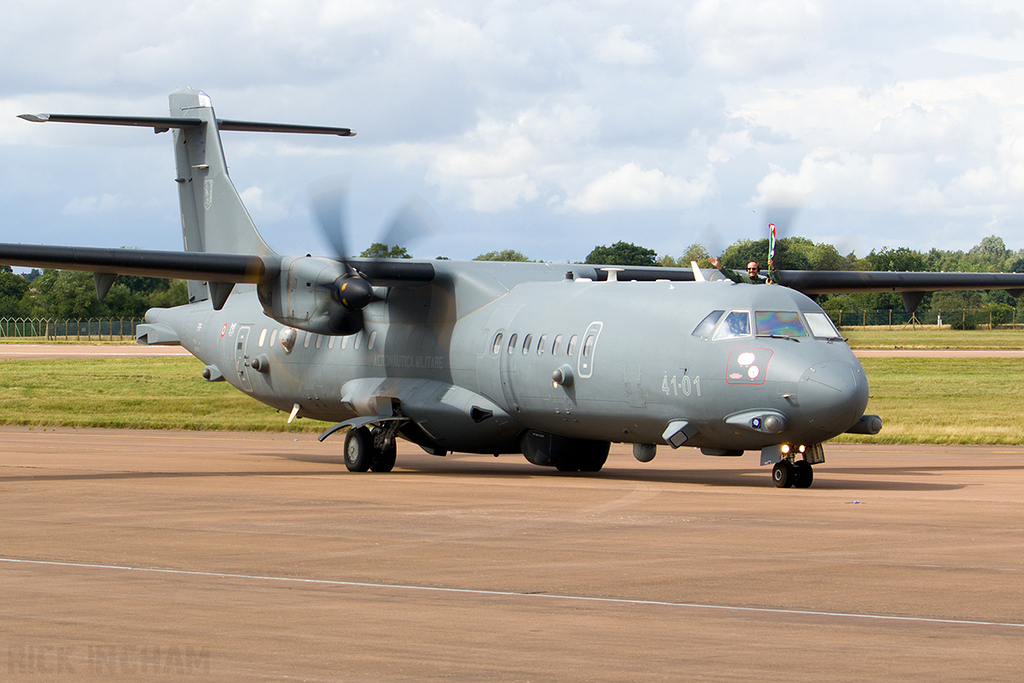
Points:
(618, 48)
(631, 187)
(93, 204)
(546, 114)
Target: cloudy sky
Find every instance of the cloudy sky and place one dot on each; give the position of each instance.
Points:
(547, 127)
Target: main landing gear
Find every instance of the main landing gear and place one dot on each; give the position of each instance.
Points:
(797, 474)
(369, 450)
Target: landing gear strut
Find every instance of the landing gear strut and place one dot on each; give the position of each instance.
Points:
(798, 474)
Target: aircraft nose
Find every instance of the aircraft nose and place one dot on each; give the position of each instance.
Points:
(833, 396)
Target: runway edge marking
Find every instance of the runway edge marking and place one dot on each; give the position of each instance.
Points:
(514, 594)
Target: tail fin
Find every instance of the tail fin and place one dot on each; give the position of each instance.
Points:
(213, 217)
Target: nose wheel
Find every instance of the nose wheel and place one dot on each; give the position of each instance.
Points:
(798, 474)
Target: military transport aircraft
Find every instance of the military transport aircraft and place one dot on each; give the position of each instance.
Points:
(551, 361)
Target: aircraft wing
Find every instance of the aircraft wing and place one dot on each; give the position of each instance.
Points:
(186, 265)
(815, 282)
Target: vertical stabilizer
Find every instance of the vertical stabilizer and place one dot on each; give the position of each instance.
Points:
(213, 218)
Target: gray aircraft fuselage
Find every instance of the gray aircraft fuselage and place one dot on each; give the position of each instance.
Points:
(469, 359)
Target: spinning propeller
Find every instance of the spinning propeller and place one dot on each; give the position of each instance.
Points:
(351, 292)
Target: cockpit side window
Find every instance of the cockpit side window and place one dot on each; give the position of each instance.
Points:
(779, 324)
(821, 325)
(736, 324)
(707, 326)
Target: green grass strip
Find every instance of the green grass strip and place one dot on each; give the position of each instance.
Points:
(132, 393)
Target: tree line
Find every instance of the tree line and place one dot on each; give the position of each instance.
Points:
(57, 294)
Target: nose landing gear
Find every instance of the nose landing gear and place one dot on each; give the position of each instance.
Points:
(786, 474)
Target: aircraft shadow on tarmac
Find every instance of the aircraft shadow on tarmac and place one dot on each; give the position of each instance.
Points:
(701, 476)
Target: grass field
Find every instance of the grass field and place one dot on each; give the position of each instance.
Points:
(136, 393)
(933, 400)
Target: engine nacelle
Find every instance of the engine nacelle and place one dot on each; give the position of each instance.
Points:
(304, 296)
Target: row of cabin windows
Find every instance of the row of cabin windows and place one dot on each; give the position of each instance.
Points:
(316, 340)
(542, 344)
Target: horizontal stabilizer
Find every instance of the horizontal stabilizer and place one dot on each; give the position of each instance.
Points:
(161, 124)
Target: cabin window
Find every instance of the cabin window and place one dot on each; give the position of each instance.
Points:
(373, 338)
(706, 328)
(527, 344)
(305, 342)
(588, 346)
(497, 344)
(778, 324)
(821, 326)
(330, 342)
(263, 337)
(736, 324)
(273, 337)
(540, 344)
(572, 344)
(512, 341)
(344, 343)
(319, 340)
(556, 345)
(358, 340)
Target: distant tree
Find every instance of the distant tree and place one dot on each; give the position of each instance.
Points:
(826, 257)
(992, 252)
(623, 254)
(789, 254)
(899, 259)
(381, 250)
(122, 302)
(694, 252)
(68, 294)
(13, 289)
(503, 255)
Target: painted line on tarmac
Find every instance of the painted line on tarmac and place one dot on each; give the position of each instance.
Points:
(513, 594)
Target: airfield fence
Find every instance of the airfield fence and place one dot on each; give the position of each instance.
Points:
(1002, 317)
(84, 329)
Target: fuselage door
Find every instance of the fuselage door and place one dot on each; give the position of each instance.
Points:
(242, 357)
(585, 360)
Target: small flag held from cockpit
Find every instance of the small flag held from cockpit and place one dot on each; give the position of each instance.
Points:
(771, 240)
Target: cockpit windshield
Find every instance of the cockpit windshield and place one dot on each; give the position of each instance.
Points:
(707, 326)
(721, 324)
(779, 324)
(821, 325)
(736, 324)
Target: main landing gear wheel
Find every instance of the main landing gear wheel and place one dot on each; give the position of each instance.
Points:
(804, 474)
(783, 474)
(359, 450)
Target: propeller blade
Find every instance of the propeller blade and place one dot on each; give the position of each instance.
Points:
(329, 199)
(415, 221)
(343, 322)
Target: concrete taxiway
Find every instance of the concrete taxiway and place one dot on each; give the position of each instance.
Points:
(127, 555)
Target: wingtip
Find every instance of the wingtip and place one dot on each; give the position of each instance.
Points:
(35, 118)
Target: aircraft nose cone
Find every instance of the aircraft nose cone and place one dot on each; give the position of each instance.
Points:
(832, 396)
